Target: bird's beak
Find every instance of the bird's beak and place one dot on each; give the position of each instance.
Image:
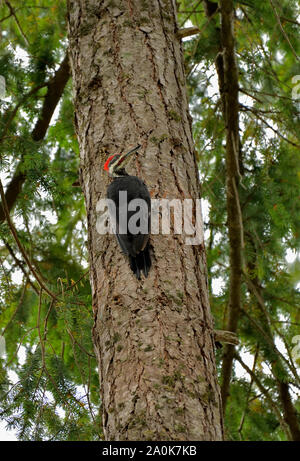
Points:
(125, 158)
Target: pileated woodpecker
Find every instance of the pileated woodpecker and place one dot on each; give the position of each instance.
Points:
(134, 242)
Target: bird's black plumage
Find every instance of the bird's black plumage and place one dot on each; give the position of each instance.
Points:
(134, 245)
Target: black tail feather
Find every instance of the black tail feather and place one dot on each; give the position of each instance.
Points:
(141, 263)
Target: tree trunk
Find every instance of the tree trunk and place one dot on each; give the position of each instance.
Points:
(227, 70)
(233, 175)
(154, 337)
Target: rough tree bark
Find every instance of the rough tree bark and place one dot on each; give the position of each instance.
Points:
(154, 337)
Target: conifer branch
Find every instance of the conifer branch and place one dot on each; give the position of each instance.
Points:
(20, 246)
(266, 394)
(283, 31)
(56, 87)
(187, 32)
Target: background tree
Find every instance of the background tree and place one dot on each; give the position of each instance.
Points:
(49, 383)
(262, 306)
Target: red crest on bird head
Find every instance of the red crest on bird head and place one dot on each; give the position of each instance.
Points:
(106, 165)
(117, 162)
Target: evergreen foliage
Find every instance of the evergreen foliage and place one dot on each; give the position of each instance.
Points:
(49, 388)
